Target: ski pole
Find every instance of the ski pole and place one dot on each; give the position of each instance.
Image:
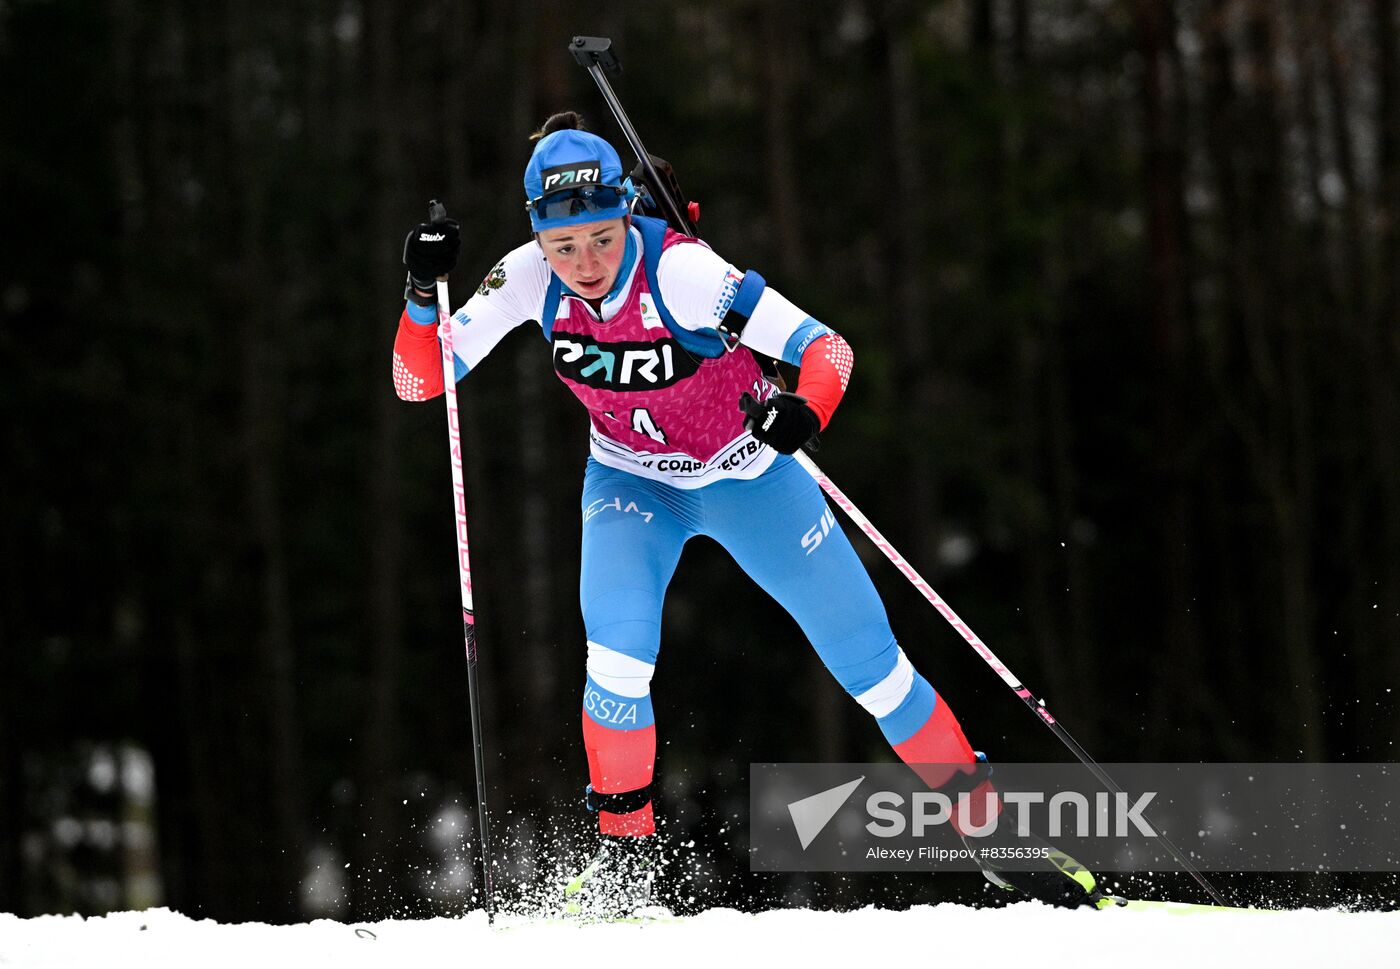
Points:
(596, 55)
(982, 650)
(437, 212)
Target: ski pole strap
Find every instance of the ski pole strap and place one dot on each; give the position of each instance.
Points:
(751, 287)
(622, 802)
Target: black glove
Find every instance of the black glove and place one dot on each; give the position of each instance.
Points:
(784, 421)
(431, 251)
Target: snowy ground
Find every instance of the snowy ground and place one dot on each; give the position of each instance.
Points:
(938, 936)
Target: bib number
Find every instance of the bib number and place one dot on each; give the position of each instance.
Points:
(643, 424)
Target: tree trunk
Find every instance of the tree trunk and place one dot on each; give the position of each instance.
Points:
(382, 846)
(1266, 402)
(1353, 236)
(1382, 344)
(1164, 194)
(12, 787)
(915, 379)
(778, 81)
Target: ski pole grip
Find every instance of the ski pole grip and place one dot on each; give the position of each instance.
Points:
(437, 214)
(596, 50)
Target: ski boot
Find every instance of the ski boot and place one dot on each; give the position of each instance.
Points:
(1059, 880)
(616, 883)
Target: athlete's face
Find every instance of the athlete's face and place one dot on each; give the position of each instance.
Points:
(586, 257)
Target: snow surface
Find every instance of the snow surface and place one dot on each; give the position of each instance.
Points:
(1028, 934)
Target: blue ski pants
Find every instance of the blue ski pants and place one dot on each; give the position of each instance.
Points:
(781, 532)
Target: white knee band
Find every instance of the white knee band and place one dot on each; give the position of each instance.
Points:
(882, 698)
(617, 672)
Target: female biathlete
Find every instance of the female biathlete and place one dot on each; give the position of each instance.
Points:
(687, 438)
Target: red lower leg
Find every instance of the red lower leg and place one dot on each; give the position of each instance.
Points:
(939, 741)
(621, 761)
(934, 750)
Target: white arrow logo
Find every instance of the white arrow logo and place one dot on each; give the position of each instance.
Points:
(811, 814)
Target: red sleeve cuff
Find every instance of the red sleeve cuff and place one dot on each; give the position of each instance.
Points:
(825, 372)
(417, 360)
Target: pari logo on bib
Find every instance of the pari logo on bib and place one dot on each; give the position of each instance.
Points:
(622, 365)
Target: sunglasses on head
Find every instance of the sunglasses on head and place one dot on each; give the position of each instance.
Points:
(567, 202)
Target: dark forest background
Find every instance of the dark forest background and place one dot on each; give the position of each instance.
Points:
(1121, 278)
